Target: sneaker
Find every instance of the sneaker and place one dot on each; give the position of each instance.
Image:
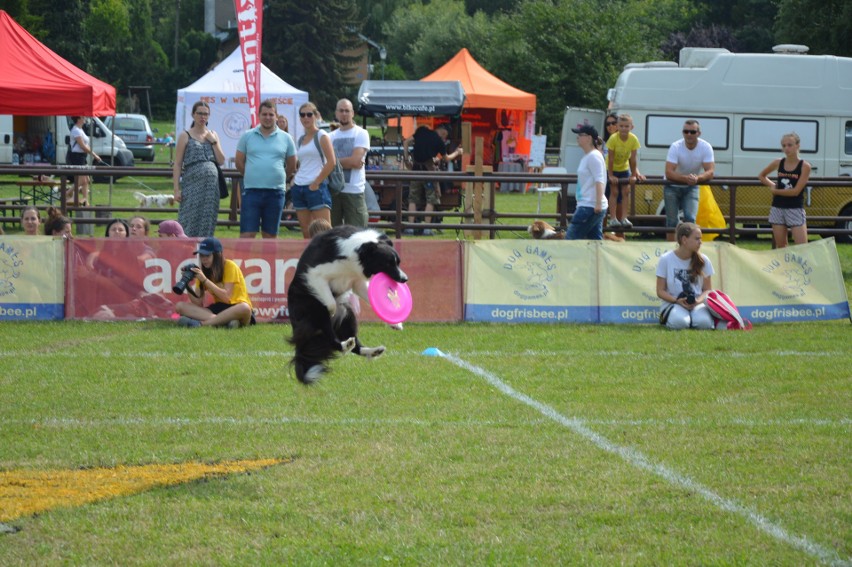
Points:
(626, 223)
(185, 321)
(408, 232)
(233, 324)
(613, 223)
(428, 232)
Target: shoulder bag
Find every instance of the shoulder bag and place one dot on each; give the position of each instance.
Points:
(336, 181)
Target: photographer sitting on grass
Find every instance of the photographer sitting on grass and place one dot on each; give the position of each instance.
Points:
(223, 280)
(683, 280)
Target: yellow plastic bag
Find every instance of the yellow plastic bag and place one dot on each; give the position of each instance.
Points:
(709, 215)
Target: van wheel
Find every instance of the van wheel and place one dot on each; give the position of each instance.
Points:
(845, 238)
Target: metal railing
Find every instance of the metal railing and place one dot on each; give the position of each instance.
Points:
(492, 221)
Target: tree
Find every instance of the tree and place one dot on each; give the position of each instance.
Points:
(822, 26)
(305, 42)
(109, 22)
(423, 37)
(63, 29)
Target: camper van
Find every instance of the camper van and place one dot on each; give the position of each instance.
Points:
(744, 102)
(45, 139)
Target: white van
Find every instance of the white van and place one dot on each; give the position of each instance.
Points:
(45, 139)
(744, 102)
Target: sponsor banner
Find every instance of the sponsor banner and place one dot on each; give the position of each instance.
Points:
(250, 30)
(32, 278)
(131, 279)
(609, 282)
(797, 283)
(628, 276)
(531, 280)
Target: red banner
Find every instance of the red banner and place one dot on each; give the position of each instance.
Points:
(250, 30)
(113, 279)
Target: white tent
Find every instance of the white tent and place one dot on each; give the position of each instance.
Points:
(224, 89)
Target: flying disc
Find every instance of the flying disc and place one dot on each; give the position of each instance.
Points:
(390, 300)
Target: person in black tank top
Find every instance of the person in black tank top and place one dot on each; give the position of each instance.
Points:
(787, 210)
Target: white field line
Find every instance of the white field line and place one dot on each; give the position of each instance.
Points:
(640, 461)
(38, 352)
(56, 422)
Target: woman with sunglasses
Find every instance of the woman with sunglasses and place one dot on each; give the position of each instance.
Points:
(225, 283)
(195, 178)
(311, 197)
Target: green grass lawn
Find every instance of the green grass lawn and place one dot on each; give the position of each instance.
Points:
(528, 444)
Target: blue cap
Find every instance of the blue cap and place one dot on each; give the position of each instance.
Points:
(208, 246)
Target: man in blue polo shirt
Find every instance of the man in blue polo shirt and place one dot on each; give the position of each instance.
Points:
(266, 156)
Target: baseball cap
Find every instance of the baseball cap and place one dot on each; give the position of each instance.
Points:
(585, 129)
(209, 246)
(171, 228)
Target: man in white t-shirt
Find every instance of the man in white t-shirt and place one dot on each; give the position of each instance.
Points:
(351, 144)
(689, 163)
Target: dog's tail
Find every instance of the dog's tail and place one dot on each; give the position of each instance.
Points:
(141, 197)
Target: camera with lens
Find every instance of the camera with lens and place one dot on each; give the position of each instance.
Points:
(186, 278)
(688, 295)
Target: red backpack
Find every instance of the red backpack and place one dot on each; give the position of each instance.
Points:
(724, 310)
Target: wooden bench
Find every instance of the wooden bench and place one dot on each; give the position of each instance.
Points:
(43, 190)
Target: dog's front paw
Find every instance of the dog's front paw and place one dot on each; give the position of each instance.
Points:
(332, 309)
(397, 327)
(371, 353)
(347, 345)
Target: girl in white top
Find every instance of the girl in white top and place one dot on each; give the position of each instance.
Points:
(310, 194)
(683, 280)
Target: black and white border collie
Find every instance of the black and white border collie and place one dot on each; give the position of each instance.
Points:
(335, 264)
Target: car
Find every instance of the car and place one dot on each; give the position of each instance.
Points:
(136, 132)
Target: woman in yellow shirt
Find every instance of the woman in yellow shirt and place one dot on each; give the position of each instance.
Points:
(224, 281)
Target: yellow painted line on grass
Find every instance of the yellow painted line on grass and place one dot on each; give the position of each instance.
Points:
(28, 492)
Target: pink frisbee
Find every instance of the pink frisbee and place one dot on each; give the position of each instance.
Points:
(390, 300)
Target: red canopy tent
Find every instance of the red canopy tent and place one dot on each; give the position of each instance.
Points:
(35, 81)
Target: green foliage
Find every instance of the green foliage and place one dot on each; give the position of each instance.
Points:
(109, 22)
(823, 26)
(306, 43)
(63, 29)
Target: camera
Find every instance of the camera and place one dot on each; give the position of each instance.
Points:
(186, 278)
(689, 296)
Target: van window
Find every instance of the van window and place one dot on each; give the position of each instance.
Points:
(662, 131)
(764, 134)
(848, 150)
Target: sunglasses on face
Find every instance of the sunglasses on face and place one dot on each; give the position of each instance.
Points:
(306, 114)
(690, 131)
(610, 123)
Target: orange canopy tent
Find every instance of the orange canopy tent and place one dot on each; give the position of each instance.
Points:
(481, 88)
(492, 106)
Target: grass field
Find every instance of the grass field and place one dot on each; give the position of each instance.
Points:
(522, 445)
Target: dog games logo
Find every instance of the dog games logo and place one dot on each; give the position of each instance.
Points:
(538, 269)
(234, 124)
(10, 268)
(795, 275)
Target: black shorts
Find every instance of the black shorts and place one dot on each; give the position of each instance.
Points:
(218, 307)
(78, 158)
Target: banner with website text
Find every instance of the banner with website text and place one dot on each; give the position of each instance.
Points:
(250, 30)
(131, 279)
(32, 278)
(608, 282)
